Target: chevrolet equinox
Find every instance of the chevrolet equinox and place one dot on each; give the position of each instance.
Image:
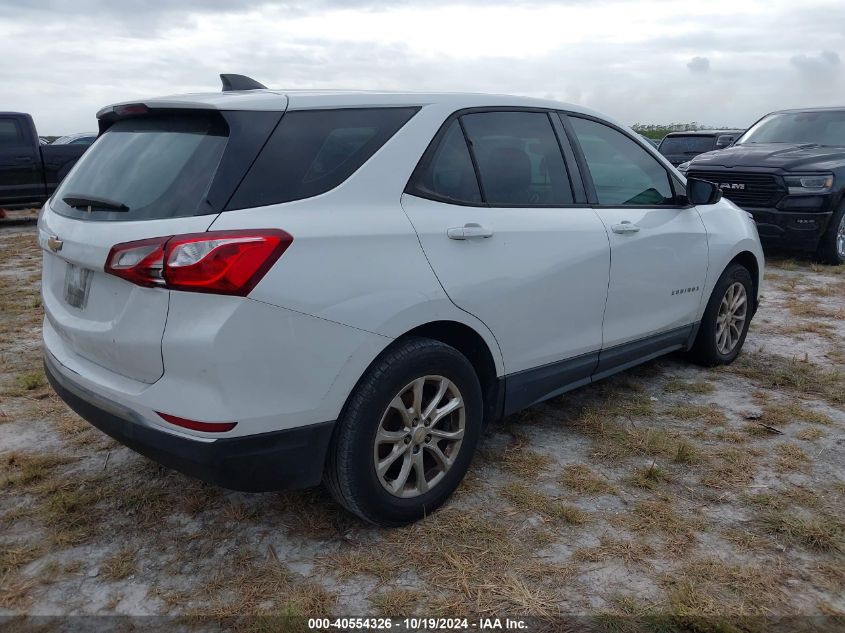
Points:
(269, 289)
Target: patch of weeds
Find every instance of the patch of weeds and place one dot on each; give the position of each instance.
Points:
(791, 457)
(520, 460)
(13, 557)
(31, 380)
(687, 453)
(821, 532)
(709, 413)
(24, 470)
(714, 589)
(398, 602)
(787, 413)
(809, 434)
(526, 498)
(799, 377)
(811, 309)
(659, 516)
(356, 562)
(581, 479)
(677, 385)
(119, 565)
(626, 550)
(648, 477)
(733, 468)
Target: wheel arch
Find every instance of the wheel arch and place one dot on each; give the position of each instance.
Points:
(749, 261)
(473, 346)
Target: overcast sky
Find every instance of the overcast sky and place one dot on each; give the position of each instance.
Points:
(718, 62)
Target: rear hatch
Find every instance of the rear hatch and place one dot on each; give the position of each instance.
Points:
(145, 177)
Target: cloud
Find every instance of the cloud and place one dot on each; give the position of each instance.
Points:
(699, 64)
(63, 61)
(814, 63)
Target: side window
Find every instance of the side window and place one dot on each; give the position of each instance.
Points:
(519, 159)
(10, 133)
(313, 151)
(623, 173)
(449, 173)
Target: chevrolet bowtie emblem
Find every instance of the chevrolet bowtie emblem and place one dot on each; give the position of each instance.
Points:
(54, 243)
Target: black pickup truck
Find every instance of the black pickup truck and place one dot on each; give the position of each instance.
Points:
(30, 171)
(788, 171)
(679, 147)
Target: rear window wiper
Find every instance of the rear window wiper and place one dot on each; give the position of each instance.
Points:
(93, 202)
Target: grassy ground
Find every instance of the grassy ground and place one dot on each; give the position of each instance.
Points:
(669, 490)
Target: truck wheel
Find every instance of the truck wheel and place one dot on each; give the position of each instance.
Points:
(407, 434)
(724, 326)
(832, 245)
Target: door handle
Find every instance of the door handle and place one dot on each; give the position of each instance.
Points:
(625, 228)
(23, 159)
(468, 231)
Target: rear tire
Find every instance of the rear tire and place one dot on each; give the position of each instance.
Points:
(724, 326)
(832, 245)
(396, 456)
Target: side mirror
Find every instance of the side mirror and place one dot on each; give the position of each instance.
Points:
(702, 192)
(724, 141)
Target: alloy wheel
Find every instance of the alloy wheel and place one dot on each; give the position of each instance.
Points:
(733, 311)
(419, 436)
(840, 238)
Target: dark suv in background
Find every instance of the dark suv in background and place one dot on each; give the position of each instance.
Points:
(788, 171)
(680, 147)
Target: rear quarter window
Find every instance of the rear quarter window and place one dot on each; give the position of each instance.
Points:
(314, 151)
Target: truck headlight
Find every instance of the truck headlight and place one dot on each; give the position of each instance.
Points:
(809, 183)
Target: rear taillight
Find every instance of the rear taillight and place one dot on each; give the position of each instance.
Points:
(208, 427)
(218, 262)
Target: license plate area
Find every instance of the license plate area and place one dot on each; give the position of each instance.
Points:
(77, 285)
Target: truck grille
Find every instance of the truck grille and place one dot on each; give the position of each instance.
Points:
(745, 189)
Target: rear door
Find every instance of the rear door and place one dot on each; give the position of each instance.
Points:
(658, 244)
(162, 168)
(512, 243)
(20, 162)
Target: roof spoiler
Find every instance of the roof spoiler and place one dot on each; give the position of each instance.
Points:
(240, 82)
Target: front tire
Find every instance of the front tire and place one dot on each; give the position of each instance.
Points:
(724, 326)
(407, 435)
(832, 245)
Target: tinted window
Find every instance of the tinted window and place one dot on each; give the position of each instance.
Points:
(449, 174)
(160, 167)
(10, 133)
(820, 128)
(519, 159)
(623, 172)
(313, 151)
(691, 145)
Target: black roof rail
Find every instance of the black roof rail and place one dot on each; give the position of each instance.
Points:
(240, 82)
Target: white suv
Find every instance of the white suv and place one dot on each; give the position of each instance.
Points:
(267, 289)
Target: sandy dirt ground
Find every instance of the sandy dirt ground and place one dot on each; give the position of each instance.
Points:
(667, 490)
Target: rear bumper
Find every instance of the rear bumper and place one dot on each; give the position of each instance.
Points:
(789, 229)
(287, 459)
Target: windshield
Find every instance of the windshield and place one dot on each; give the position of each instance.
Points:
(697, 144)
(156, 167)
(818, 128)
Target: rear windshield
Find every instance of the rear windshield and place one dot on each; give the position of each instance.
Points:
(152, 167)
(313, 151)
(687, 144)
(819, 128)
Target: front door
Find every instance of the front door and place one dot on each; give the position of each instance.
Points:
(658, 244)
